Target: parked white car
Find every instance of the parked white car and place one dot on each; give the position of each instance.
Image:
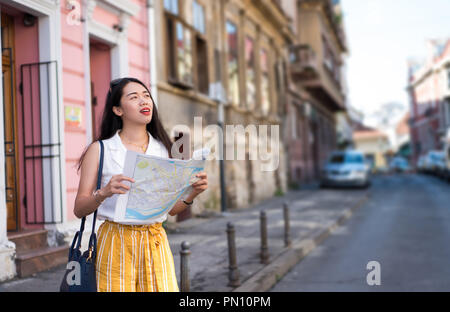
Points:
(447, 161)
(440, 168)
(346, 168)
(434, 161)
(421, 163)
(399, 164)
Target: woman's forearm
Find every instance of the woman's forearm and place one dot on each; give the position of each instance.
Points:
(86, 205)
(180, 206)
(198, 187)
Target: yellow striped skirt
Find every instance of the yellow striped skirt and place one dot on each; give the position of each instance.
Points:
(134, 258)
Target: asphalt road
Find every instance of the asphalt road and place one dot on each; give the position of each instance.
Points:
(404, 226)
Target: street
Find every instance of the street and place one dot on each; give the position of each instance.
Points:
(404, 226)
(312, 213)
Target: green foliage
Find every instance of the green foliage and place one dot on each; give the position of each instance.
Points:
(212, 203)
(294, 186)
(338, 19)
(279, 192)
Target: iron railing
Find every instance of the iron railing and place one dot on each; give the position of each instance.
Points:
(41, 150)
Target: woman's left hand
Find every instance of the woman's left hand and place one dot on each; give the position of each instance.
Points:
(201, 185)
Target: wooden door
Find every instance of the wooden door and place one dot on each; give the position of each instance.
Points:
(100, 64)
(10, 122)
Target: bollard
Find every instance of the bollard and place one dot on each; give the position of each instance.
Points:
(233, 273)
(184, 266)
(264, 249)
(287, 228)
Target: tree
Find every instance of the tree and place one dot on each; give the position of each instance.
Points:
(388, 114)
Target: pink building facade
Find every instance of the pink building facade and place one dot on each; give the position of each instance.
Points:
(429, 92)
(58, 58)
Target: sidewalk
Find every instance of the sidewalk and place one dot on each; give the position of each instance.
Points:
(313, 213)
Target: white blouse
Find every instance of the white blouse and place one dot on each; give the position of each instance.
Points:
(114, 159)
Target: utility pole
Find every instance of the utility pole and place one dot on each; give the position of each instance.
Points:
(219, 95)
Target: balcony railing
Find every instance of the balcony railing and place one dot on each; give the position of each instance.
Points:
(308, 70)
(304, 63)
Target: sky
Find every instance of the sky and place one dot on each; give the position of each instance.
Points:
(382, 36)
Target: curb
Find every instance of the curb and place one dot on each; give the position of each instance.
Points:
(269, 275)
(174, 228)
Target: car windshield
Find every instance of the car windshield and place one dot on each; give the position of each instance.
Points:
(337, 159)
(347, 158)
(437, 156)
(354, 159)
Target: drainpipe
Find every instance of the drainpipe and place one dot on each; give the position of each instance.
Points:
(221, 111)
(151, 49)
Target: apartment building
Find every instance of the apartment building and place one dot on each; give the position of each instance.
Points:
(429, 93)
(239, 45)
(316, 84)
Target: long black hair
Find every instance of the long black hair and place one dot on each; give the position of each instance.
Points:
(111, 122)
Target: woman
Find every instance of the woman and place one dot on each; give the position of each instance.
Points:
(130, 257)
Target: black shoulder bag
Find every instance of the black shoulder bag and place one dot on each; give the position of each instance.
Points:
(80, 270)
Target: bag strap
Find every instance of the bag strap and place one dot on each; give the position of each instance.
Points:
(92, 239)
(99, 181)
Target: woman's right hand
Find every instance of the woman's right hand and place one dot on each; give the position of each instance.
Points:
(115, 186)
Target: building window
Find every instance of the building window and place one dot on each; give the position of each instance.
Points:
(171, 6)
(187, 48)
(265, 82)
(329, 61)
(299, 124)
(201, 52)
(179, 47)
(280, 85)
(232, 63)
(294, 126)
(184, 55)
(250, 72)
(327, 56)
(199, 17)
(201, 47)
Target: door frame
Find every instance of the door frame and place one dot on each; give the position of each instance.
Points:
(17, 212)
(118, 42)
(48, 13)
